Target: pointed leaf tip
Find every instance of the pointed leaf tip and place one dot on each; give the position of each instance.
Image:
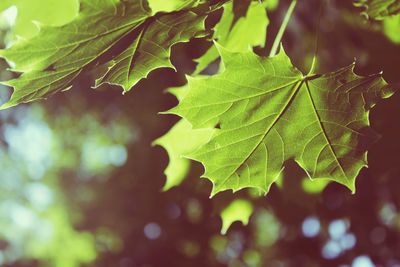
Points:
(238, 210)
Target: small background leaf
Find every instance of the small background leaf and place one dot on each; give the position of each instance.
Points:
(239, 210)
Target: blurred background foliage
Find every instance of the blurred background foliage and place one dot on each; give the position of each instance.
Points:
(80, 184)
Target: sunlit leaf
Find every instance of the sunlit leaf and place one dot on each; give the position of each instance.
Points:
(267, 112)
(170, 5)
(239, 210)
(179, 141)
(48, 12)
(232, 31)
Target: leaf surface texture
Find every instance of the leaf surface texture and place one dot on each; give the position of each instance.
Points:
(122, 36)
(266, 112)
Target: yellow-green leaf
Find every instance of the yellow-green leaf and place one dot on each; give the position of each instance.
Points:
(179, 141)
(233, 30)
(238, 210)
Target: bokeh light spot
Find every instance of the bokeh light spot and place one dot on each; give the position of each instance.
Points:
(348, 241)
(337, 229)
(331, 250)
(362, 261)
(10, 15)
(39, 195)
(310, 226)
(152, 230)
(117, 155)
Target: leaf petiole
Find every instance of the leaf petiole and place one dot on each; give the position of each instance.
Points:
(314, 61)
(282, 29)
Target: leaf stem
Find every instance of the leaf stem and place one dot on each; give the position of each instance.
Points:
(314, 60)
(282, 29)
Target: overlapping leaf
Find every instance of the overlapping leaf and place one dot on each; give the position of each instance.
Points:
(151, 48)
(232, 31)
(267, 112)
(379, 9)
(181, 140)
(57, 55)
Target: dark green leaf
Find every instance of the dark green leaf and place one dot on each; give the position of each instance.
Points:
(57, 55)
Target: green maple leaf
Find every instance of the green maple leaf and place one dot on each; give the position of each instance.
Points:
(232, 31)
(151, 48)
(379, 9)
(267, 112)
(179, 141)
(52, 60)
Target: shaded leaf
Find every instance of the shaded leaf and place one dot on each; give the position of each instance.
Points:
(151, 48)
(268, 112)
(51, 60)
(379, 9)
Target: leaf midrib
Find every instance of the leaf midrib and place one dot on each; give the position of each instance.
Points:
(278, 116)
